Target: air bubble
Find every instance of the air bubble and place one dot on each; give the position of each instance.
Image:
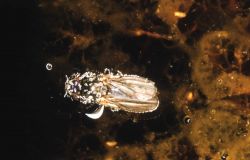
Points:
(187, 120)
(49, 66)
(224, 156)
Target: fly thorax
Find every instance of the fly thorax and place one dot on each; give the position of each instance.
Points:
(88, 82)
(93, 88)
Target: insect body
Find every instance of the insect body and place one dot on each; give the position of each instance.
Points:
(118, 91)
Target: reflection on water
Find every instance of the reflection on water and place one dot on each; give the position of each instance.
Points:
(196, 52)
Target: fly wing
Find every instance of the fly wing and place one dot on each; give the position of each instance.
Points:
(133, 94)
(135, 106)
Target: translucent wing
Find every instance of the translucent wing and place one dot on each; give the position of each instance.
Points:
(133, 94)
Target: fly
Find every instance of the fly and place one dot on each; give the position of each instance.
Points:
(117, 91)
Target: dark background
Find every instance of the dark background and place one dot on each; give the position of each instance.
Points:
(27, 121)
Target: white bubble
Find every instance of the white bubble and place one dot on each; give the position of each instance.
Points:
(49, 66)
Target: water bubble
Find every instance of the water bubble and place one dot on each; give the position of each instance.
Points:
(49, 66)
(187, 120)
(220, 81)
(224, 156)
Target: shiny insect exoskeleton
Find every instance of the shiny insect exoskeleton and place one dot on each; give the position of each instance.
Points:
(118, 91)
